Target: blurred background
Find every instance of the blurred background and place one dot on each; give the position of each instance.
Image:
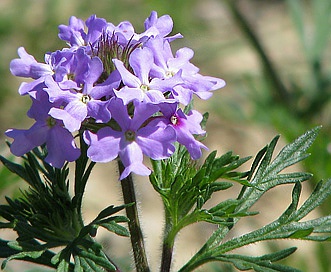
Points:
(275, 56)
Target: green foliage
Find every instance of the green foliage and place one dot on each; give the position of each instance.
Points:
(185, 187)
(47, 217)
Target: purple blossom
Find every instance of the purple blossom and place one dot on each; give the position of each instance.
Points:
(161, 26)
(185, 127)
(80, 103)
(60, 64)
(27, 66)
(124, 32)
(46, 130)
(135, 139)
(167, 66)
(138, 85)
(75, 34)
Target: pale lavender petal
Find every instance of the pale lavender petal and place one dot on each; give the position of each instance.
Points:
(167, 84)
(98, 110)
(31, 87)
(182, 95)
(157, 143)
(77, 109)
(141, 60)
(74, 33)
(132, 159)
(55, 93)
(95, 70)
(26, 140)
(155, 97)
(182, 58)
(142, 111)
(27, 66)
(81, 69)
(193, 146)
(218, 83)
(164, 24)
(95, 27)
(128, 79)
(69, 121)
(103, 146)
(106, 88)
(127, 94)
(61, 147)
(193, 121)
(40, 107)
(120, 113)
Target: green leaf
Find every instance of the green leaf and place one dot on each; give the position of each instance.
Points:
(23, 255)
(261, 263)
(15, 168)
(78, 267)
(265, 174)
(94, 259)
(116, 228)
(301, 233)
(63, 266)
(110, 211)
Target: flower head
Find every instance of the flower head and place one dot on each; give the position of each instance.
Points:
(122, 91)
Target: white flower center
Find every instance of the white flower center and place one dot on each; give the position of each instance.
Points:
(85, 98)
(144, 87)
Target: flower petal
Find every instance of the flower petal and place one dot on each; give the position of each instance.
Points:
(103, 146)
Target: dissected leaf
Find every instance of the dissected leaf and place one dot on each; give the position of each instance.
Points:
(265, 174)
(116, 228)
(263, 263)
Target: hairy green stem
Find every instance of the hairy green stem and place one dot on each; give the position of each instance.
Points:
(166, 257)
(136, 236)
(168, 244)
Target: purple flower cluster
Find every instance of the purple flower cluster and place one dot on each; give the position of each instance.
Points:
(120, 90)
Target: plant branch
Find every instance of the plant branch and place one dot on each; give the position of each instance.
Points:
(168, 244)
(136, 235)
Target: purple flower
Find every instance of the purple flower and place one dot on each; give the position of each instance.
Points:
(167, 66)
(27, 66)
(185, 127)
(81, 103)
(139, 86)
(162, 26)
(75, 34)
(95, 28)
(136, 138)
(124, 32)
(46, 130)
(61, 65)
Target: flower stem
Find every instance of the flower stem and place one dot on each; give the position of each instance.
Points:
(168, 243)
(166, 256)
(136, 236)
